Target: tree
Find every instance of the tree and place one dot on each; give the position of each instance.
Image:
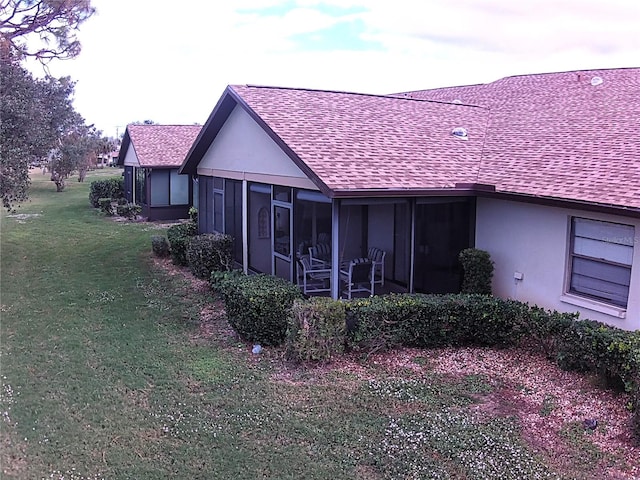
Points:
(76, 150)
(41, 29)
(35, 115)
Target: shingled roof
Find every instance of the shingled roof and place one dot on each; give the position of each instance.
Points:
(562, 136)
(159, 145)
(567, 135)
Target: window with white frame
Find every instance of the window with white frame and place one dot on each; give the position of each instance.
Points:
(601, 257)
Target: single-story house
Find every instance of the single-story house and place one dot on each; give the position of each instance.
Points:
(542, 171)
(151, 156)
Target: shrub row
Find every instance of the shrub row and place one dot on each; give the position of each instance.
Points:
(257, 306)
(209, 252)
(109, 188)
(179, 236)
(422, 320)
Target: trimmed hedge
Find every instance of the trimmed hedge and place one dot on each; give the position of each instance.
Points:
(257, 306)
(422, 320)
(209, 252)
(179, 237)
(160, 246)
(109, 188)
(316, 331)
(128, 210)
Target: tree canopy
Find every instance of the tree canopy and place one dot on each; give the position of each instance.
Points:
(39, 122)
(42, 29)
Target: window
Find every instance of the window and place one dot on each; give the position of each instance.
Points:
(601, 257)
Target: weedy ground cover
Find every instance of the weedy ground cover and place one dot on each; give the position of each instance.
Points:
(110, 371)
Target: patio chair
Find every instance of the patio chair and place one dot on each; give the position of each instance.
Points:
(358, 277)
(312, 279)
(320, 255)
(377, 255)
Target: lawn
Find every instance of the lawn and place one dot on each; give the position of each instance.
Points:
(115, 365)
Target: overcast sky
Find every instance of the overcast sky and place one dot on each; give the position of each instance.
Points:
(170, 61)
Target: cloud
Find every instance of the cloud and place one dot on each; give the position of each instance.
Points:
(142, 60)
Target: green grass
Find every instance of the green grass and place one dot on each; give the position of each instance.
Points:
(104, 375)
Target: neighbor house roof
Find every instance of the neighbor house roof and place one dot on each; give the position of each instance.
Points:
(158, 145)
(561, 136)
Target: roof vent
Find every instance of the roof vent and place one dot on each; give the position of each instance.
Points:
(460, 133)
(595, 81)
(457, 100)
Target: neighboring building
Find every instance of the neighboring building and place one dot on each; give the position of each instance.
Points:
(543, 171)
(151, 156)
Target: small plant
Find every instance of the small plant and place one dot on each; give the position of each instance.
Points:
(209, 252)
(478, 271)
(122, 201)
(160, 246)
(128, 210)
(193, 215)
(106, 207)
(317, 330)
(179, 237)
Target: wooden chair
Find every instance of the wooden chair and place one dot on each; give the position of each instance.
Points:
(311, 278)
(377, 256)
(358, 276)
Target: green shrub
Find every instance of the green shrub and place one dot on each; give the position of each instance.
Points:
(478, 271)
(128, 210)
(106, 207)
(160, 246)
(209, 252)
(109, 188)
(122, 201)
(257, 306)
(420, 320)
(179, 237)
(316, 331)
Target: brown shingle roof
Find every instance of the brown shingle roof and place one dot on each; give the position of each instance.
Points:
(162, 145)
(355, 142)
(552, 136)
(557, 135)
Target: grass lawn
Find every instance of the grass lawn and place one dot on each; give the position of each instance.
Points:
(115, 367)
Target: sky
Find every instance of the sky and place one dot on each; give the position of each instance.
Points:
(170, 62)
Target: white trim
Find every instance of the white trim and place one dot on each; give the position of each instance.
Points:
(594, 305)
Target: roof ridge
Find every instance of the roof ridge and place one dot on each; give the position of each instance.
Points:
(394, 96)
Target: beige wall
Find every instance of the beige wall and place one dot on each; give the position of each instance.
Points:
(243, 146)
(533, 240)
(131, 159)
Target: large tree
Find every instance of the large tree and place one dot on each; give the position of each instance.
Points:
(42, 29)
(35, 113)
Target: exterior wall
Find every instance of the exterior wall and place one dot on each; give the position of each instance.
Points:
(243, 147)
(534, 241)
(131, 159)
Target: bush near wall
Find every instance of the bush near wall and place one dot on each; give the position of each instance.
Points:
(316, 331)
(179, 237)
(478, 271)
(257, 306)
(422, 320)
(109, 188)
(209, 252)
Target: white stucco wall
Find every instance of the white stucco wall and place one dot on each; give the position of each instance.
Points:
(243, 146)
(534, 241)
(130, 158)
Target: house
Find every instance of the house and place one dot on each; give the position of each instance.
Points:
(151, 156)
(542, 171)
